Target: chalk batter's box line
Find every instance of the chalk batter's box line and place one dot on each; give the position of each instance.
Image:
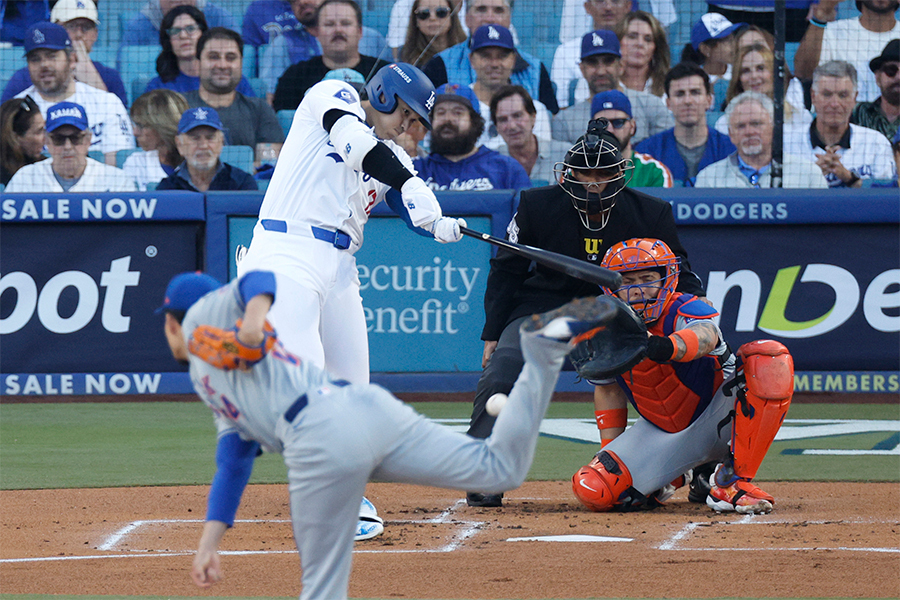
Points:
(469, 529)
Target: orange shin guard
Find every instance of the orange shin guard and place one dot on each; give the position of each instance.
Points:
(762, 402)
(600, 484)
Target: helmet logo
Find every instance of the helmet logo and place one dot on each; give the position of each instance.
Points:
(402, 75)
(429, 104)
(596, 40)
(493, 33)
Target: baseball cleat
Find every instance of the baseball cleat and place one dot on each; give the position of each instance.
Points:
(484, 500)
(737, 495)
(370, 524)
(576, 321)
(699, 486)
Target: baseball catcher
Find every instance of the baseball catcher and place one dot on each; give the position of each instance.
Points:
(697, 402)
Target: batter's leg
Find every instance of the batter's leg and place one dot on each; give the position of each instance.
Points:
(498, 377)
(296, 317)
(344, 337)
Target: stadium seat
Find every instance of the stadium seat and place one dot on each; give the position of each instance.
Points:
(151, 186)
(712, 116)
(286, 117)
(259, 87)
(121, 155)
(97, 155)
(139, 86)
(238, 156)
(11, 60)
(137, 61)
(251, 62)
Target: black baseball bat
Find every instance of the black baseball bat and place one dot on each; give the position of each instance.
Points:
(559, 262)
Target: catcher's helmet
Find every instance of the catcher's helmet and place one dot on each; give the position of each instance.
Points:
(597, 149)
(640, 255)
(401, 80)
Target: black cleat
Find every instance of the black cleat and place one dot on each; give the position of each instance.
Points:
(700, 482)
(484, 500)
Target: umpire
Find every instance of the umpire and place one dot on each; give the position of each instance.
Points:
(586, 213)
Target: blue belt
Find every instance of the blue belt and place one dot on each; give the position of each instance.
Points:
(299, 404)
(338, 239)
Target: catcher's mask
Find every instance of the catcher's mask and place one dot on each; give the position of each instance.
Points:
(595, 153)
(645, 255)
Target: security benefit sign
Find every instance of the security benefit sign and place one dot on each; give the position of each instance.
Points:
(423, 301)
(830, 293)
(77, 299)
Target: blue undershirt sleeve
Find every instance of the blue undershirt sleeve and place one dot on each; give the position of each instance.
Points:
(234, 464)
(394, 200)
(255, 283)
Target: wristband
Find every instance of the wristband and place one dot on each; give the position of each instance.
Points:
(604, 443)
(691, 344)
(612, 418)
(660, 348)
(853, 179)
(817, 23)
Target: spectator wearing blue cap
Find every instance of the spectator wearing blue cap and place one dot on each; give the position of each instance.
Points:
(457, 162)
(68, 139)
(200, 139)
(601, 70)
(51, 63)
(493, 57)
(453, 64)
(339, 31)
(80, 19)
(692, 144)
(616, 109)
(712, 45)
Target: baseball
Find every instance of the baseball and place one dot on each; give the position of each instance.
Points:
(495, 404)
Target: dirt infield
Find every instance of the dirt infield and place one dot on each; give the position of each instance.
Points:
(824, 539)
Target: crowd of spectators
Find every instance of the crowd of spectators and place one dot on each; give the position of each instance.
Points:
(674, 116)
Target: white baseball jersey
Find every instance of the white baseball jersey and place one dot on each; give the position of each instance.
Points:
(109, 121)
(311, 184)
(38, 178)
(847, 40)
(869, 154)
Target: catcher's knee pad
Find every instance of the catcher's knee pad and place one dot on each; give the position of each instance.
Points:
(600, 484)
(764, 391)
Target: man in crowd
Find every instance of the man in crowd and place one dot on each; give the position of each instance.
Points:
(513, 114)
(856, 40)
(883, 113)
(80, 19)
(692, 144)
(143, 30)
(846, 153)
(68, 139)
(299, 43)
(249, 121)
(265, 20)
(601, 66)
(564, 72)
(750, 166)
(456, 161)
(493, 58)
(615, 108)
(453, 64)
(51, 65)
(339, 30)
(200, 141)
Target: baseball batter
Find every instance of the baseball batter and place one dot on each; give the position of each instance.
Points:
(335, 436)
(693, 408)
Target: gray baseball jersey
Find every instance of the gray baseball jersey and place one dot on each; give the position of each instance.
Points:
(334, 436)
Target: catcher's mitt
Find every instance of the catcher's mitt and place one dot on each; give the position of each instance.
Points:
(222, 349)
(614, 349)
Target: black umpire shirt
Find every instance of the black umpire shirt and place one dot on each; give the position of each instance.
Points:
(547, 219)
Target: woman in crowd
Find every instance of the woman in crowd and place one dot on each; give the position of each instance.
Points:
(177, 65)
(754, 71)
(712, 46)
(21, 136)
(433, 27)
(155, 117)
(645, 52)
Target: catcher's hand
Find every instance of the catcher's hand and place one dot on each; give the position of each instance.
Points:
(614, 349)
(222, 349)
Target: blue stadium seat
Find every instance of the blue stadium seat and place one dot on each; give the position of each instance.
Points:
(97, 155)
(137, 61)
(259, 87)
(121, 155)
(286, 117)
(11, 60)
(238, 156)
(712, 116)
(139, 85)
(251, 62)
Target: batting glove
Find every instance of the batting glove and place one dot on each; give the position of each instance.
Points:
(446, 229)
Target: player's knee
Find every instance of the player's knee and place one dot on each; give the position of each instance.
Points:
(600, 484)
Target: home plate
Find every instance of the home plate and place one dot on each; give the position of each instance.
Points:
(570, 538)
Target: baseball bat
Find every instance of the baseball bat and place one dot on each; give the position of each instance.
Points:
(559, 262)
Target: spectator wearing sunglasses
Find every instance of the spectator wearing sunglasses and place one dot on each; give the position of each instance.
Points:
(68, 139)
(178, 64)
(433, 27)
(21, 136)
(615, 107)
(883, 113)
(80, 19)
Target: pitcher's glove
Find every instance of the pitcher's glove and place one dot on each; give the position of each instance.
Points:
(614, 349)
(221, 348)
